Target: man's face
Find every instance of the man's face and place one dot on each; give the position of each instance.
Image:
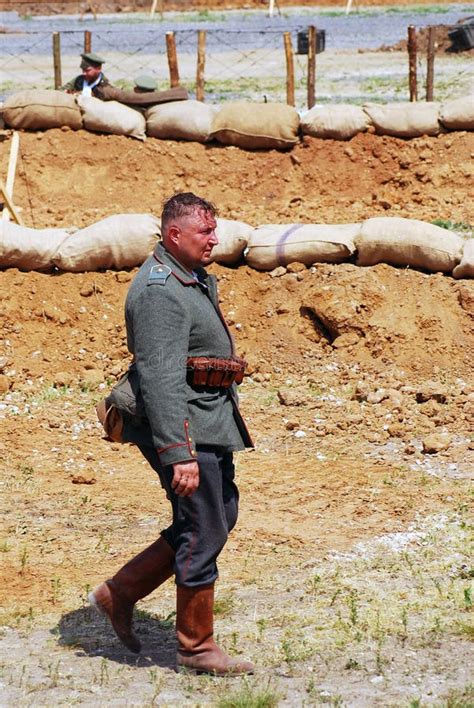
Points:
(91, 73)
(194, 237)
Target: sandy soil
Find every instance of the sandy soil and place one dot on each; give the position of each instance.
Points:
(360, 398)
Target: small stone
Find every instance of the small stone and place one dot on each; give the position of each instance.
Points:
(436, 442)
(300, 434)
(92, 377)
(277, 272)
(377, 396)
(396, 430)
(123, 277)
(4, 361)
(432, 390)
(410, 449)
(62, 378)
(80, 479)
(291, 425)
(295, 267)
(288, 397)
(348, 339)
(86, 290)
(5, 383)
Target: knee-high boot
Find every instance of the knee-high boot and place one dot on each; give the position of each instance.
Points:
(197, 649)
(116, 597)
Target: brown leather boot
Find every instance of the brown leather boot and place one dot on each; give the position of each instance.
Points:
(197, 650)
(116, 598)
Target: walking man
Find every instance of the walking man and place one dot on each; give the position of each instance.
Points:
(187, 371)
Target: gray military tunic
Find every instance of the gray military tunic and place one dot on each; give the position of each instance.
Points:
(170, 316)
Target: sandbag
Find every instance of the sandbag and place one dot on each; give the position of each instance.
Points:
(256, 126)
(40, 109)
(273, 245)
(28, 249)
(120, 241)
(404, 120)
(180, 120)
(338, 121)
(233, 237)
(466, 268)
(458, 114)
(111, 117)
(408, 242)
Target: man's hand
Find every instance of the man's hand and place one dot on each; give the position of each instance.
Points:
(185, 478)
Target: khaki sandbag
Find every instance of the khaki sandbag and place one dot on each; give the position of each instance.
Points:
(256, 126)
(233, 237)
(28, 249)
(458, 114)
(272, 245)
(180, 120)
(408, 242)
(111, 117)
(337, 121)
(120, 241)
(40, 109)
(466, 268)
(404, 120)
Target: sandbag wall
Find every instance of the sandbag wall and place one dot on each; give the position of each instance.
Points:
(125, 241)
(251, 126)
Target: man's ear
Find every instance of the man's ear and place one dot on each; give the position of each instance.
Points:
(173, 234)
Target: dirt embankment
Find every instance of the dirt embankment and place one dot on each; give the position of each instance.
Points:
(66, 178)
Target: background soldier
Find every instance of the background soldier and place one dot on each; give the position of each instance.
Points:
(187, 371)
(92, 81)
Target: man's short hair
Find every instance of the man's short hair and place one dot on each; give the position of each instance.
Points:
(184, 204)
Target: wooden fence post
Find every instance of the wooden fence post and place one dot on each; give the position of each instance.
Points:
(172, 59)
(87, 41)
(290, 69)
(412, 81)
(201, 61)
(57, 60)
(311, 66)
(430, 59)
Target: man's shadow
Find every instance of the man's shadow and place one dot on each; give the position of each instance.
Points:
(90, 633)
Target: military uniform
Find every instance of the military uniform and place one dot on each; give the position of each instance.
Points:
(172, 315)
(77, 85)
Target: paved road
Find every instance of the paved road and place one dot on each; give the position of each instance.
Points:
(230, 30)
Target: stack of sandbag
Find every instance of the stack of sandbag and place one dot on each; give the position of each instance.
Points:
(120, 241)
(180, 120)
(111, 117)
(29, 249)
(457, 114)
(407, 242)
(40, 109)
(466, 268)
(256, 126)
(404, 120)
(337, 121)
(275, 245)
(233, 238)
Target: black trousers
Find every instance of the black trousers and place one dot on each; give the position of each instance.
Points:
(202, 522)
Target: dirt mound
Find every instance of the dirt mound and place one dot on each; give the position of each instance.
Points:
(444, 44)
(72, 324)
(66, 178)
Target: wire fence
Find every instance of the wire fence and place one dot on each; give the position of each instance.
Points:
(239, 64)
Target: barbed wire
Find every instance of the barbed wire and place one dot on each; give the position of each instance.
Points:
(233, 55)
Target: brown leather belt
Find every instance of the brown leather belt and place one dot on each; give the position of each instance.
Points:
(218, 373)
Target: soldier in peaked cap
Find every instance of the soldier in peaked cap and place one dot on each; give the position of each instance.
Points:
(92, 81)
(144, 84)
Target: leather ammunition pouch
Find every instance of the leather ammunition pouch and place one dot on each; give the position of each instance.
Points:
(213, 372)
(125, 396)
